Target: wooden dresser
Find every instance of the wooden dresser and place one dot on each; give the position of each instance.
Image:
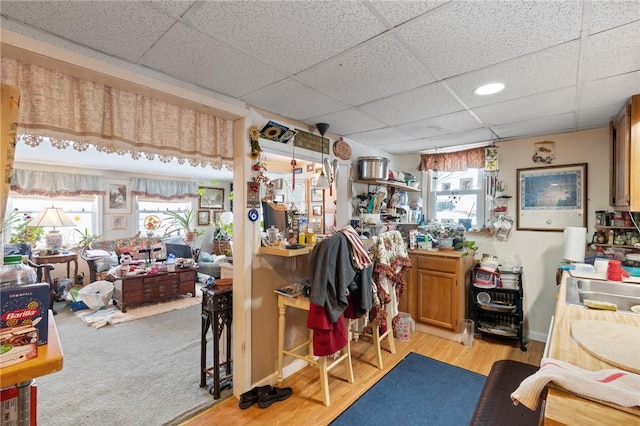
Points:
(154, 287)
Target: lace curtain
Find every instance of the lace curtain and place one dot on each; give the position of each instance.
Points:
(453, 161)
(52, 184)
(163, 189)
(76, 113)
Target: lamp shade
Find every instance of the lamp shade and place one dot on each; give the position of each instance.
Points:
(52, 217)
(322, 182)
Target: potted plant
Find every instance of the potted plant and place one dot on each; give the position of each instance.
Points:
(86, 238)
(222, 233)
(23, 232)
(183, 221)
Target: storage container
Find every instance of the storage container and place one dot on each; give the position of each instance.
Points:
(373, 168)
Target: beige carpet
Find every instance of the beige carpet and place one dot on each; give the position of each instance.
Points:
(113, 315)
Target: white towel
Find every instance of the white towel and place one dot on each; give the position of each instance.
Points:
(611, 385)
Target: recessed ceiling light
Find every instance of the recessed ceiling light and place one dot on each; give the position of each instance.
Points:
(489, 89)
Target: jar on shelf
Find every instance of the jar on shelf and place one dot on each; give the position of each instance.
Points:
(601, 217)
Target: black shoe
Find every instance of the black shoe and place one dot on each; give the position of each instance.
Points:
(248, 398)
(276, 394)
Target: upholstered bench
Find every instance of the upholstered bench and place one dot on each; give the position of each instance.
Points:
(495, 407)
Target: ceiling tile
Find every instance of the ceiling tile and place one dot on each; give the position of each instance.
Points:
(609, 91)
(387, 135)
(460, 138)
(347, 121)
(610, 14)
(543, 71)
(442, 125)
(291, 34)
(424, 102)
(397, 12)
(373, 70)
(293, 99)
(464, 36)
(538, 127)
(193, 57)
(598, 117)
(175, 8)
(123, 29)
(612, 52)
(528, 108)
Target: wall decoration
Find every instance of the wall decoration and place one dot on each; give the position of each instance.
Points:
(317, 210)
(545, 152)
(118, 198)
(274, 131)
(211, 198)
(552, 198)
(491, 159)
(118, 222)
(278, 198)
(204, 217)
(316, 195)
(310, 167)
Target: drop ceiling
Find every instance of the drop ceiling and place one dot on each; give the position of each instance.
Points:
(398, 75)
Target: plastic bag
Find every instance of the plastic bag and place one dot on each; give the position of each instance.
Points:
(97, 294)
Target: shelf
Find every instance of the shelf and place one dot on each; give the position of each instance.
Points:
(614, 245)
(632, 228)
(394, 184)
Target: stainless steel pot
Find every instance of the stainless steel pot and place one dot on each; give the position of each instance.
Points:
(373, 168)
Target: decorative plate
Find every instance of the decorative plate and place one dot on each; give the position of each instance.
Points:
(151, 222)
(342, 150)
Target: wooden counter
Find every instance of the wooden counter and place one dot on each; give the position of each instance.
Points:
(563, 408)
(49, 360)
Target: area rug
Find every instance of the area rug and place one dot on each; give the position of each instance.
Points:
(417, 391)
(143, 372)
(112, 315)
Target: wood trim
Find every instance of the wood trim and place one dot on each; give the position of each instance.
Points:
(634, 161)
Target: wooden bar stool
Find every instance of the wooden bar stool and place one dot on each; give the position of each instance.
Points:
(376, 337)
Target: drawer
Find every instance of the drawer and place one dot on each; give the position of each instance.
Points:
(187, 287)
(133, 296)
(132, 285)
(187, 276)
(438, 263)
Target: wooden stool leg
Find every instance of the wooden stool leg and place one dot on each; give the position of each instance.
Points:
(324, 380)
(392, 344)
(350, 376)
(376, 342)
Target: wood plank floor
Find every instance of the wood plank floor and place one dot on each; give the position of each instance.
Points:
(305, 406)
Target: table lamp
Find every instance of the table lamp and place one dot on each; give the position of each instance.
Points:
(52, 217)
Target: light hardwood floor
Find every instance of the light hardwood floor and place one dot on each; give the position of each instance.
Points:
(305, 406)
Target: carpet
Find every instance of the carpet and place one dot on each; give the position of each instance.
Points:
(113, 315)
(143, 372)
(417, 391)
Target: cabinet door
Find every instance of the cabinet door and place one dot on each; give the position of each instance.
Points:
(621, 159)
(436, 298)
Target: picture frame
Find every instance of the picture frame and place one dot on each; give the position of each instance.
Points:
(316, 195)
(118, 197)
(316, 210)
(552, 198)
(118, 222)
(211, 198)
(204, 217)
(310, 167)
(278, 198)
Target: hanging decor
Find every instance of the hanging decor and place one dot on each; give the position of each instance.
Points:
(254, 137)
(491, 159)
(545, 152)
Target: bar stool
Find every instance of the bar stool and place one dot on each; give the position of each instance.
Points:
(216, 313)
(376, 337)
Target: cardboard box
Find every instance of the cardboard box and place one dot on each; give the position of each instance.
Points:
(9, 405)
(26, 305)
(17, 345)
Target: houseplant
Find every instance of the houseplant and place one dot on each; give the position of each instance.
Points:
(22, 232)
(86, 238)
(222, 233)
(183, 221)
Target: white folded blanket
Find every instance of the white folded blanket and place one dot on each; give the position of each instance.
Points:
(611, 385)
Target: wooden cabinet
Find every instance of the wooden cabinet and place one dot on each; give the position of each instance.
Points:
(436, 288)
(625, 157)
(154, 287)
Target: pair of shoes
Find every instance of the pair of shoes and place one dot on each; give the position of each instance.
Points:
(275, 394)
(247, 399)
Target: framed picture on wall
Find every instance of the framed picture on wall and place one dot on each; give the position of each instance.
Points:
(316, 210)
(552, 198)
(211, 198)
(278, 198)
(316, 195)
(118, 222)
(204, 216)
(118, 198)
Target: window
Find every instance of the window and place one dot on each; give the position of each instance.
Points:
(457, 197)
(81, 210)
(149, 211)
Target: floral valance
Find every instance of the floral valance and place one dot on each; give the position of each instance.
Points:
(75, 112)
(163, 189)
(453, 161)
(53, 184)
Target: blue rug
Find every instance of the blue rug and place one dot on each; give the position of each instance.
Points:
(417, 391)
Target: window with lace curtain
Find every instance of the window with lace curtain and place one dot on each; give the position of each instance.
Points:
(457, 197)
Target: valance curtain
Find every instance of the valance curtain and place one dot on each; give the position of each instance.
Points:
(453, 161)
(53, 184)
(76, 112)
(163, 189)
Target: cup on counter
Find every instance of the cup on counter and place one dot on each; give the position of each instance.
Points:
(615, 271)
(600, 268)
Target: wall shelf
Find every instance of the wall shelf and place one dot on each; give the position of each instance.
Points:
(397, 185)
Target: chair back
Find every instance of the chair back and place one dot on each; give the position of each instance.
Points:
(22, 249)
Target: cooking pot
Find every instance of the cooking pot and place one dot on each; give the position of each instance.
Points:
(373, 168)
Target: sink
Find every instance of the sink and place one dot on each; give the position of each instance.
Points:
(622, 294)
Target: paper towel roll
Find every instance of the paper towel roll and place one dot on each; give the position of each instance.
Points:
(575, 241)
